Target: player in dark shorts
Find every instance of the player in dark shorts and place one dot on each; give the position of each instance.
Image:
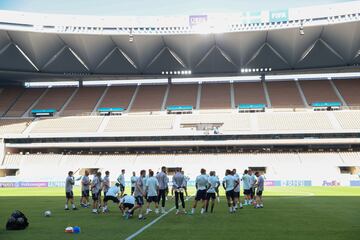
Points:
(112, 194)
(69, 183)
(229, 183)
(139, 194)
(211, 191)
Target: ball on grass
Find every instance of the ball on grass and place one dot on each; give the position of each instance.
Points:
(47, 213)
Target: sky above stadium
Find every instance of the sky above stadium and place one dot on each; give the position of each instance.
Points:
(153, 7)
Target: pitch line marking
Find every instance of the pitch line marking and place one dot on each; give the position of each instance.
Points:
(132, 236)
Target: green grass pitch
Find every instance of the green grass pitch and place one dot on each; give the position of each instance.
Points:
(289, 213)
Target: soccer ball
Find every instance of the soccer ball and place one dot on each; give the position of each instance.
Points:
(47, 213)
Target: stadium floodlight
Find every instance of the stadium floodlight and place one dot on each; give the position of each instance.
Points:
(167, 72)
(265, 69)
(261, 69)
(182, 72)
(162, 72)
(270, 69)
(171, 72)
(242, 70)
(190, 72)
(178, 72)
(253, 69)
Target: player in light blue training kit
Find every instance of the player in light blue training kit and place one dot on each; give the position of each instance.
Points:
(133, 182)
(247, 187)
(85, 190)
(69, 183)
(111, 194)
(152, 192)
(178, 187)
(139, 195)
(260, 190)
(237, 190)
(127, 203)
(253, 180)
(201, 183)
(121, 180)
(95, 190)
(213, 183)
(229, 183)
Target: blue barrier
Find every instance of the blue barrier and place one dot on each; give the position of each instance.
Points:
(179, 108)
(36, 111)
(326, 104)
(251, 106)
(111, 109)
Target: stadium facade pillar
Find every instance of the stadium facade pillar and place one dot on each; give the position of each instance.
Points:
(267, 97)
(169, 80)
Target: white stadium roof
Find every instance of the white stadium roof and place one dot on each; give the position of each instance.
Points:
(33, 46)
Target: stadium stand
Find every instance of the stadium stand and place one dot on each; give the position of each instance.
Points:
(318, 91)
(54, 98)
(308, 121)
(228, 122)
(215, 96)
(316, 167)
(149, 98)
(139, 123)
(182, 95)
(284, 94)
(12, 161)
(24, 102)
(7, 98)
(13, 126)
(349, 90)
(249, 93)
(118, 96)
(67, 125)
(84, 101)
(348, 119)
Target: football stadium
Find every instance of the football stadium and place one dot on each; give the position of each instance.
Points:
(126, 120)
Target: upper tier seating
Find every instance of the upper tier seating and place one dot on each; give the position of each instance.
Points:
(318, 91)
(118, 97)
(215, 96)
(8, 97)
(24, 102)
(149, 98)
(249, 93)
(84, 101)
(284, 94)
(54, 98)
(350, 91)
(182, 95)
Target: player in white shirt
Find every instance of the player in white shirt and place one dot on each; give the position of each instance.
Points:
(152, 192)
(133, 182)
(163, 187)
(217, 189)
(213, 183)
(69, 183)
(95, 190)
(237, 190)
(127, 203)
(253, 180)
(229, 183)
(247, 187)
(106, 183)
(111, 194)
(139, 195)
(260, 189)
(201, 183)
(85, 189)
(121, 181)
(186, 182)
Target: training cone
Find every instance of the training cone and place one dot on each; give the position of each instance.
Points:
(69, 230)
